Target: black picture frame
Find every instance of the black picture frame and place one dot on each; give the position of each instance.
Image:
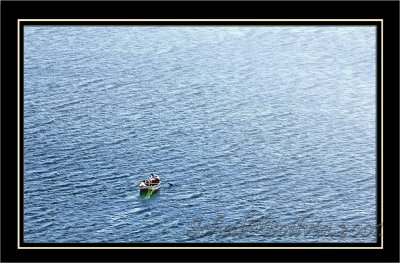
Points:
(384, 15)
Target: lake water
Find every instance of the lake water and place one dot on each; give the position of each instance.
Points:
(254, 130)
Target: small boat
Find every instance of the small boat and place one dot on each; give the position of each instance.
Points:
(151, 185)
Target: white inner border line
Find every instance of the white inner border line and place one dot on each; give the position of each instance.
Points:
(200, 20)
(381, 227)
(18, 133)
(191, 20)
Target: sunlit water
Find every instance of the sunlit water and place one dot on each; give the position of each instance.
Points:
(252, 129)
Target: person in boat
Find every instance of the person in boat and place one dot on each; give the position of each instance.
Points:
(143, 183)
(151, 177)
(154, 179)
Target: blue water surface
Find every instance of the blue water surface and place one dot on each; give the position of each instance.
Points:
(259, 133)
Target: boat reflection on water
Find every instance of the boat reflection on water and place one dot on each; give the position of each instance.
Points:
(148, 193)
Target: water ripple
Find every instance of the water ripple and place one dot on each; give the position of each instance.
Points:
(244, 124)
